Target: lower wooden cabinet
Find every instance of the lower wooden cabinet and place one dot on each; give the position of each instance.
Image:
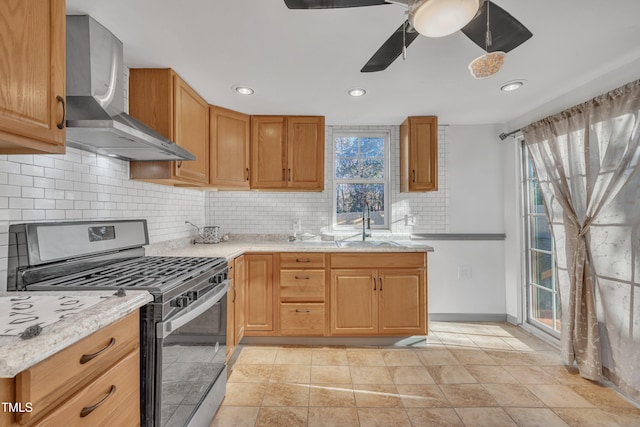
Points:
(378, 293)
(341, 294)
(95, 381)
(259, 301)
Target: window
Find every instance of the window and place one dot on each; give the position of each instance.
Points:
(361, 176)
(543, 305)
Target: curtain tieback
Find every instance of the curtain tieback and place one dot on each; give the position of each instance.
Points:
(585, 227)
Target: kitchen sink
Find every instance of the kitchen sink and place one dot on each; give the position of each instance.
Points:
(367, 244)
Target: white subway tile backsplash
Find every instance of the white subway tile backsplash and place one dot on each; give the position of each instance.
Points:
(273, 212)
(85, 186)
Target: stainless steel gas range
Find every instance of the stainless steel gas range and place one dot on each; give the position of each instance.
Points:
(183, 331)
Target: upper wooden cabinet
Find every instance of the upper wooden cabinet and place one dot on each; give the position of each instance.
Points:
(229, 134)
(32, 94)
(419, 154)
(287, 153)
(163, 101)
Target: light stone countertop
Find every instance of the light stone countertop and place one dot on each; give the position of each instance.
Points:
(234, 248)
(17, 354)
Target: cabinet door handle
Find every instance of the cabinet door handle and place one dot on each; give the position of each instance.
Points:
(284, 174)
(179, 164)
(374, 283)
(289, 174)
(381, 283)
(414, 175)
(87, 357)
(247, 174)
(64, 112)
(234, 293)
(303, 260)
(302, 311)
(302, 277)
(89, 409)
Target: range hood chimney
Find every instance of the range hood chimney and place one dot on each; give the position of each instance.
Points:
(96, 120)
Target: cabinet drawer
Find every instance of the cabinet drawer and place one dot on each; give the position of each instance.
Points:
(302, 319)
(112, 399)
(301, 285)
(379, 260)
(51, 380)
(301, 260)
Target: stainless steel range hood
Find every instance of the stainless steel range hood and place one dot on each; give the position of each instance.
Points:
(96, 118)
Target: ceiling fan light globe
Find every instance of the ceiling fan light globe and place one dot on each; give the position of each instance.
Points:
(486, 65)
(439, 18)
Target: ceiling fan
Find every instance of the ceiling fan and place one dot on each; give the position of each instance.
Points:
(436, 18)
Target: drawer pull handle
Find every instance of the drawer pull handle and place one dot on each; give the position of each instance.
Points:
(89, 409)
(60, 124)
(303, 260)
(302, 311)
(87, 357)
(302, 277)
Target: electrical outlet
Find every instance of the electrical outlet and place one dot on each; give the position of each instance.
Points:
(464, 272)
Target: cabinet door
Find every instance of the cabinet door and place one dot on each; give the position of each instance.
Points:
(305, 151)
(240, 284)
(259, 296)
(419, 154)
(268, 152)
(402, 303)
(32, 42)
(191, 125)
(354, 303)
(229, 148)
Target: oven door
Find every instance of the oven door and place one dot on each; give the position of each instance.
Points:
(190, 361)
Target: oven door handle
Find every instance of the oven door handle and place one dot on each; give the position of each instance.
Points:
(164, 329)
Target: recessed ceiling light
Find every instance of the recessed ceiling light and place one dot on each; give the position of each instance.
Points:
(356, 92)
(512, 85)
(243, 90)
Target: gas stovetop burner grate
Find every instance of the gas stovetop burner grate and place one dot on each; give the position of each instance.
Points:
(155, 274)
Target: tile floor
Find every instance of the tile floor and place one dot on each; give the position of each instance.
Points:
(470, 374)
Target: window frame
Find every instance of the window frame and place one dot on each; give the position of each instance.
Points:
(530, 285)
(386, 181)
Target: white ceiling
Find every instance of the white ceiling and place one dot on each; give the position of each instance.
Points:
(302, 62)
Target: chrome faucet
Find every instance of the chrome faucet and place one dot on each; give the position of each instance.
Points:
(366, 221)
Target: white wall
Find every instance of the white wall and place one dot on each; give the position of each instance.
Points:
(85, 186)
(476, 205)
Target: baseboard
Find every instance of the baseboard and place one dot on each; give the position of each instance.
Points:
(626, 389)
(512, 319)
(467, 317)
(411, 341)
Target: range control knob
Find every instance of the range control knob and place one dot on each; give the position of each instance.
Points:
(182, 301)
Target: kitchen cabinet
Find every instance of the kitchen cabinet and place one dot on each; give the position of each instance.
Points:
(301, 294)
(419, 154)
(287, 153)
(165, 102)
(378, 294)
(32, 99)
(259, 301)
(229, 152)
(95, 381)
(235, 304)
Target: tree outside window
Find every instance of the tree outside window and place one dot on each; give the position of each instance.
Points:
(360, 178)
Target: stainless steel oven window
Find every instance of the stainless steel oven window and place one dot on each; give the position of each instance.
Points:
(192, 347)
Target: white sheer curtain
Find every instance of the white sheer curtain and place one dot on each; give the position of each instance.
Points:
(586, 159)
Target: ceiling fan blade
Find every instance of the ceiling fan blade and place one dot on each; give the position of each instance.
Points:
(507, 32)
(330, 4)
(390, 50)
